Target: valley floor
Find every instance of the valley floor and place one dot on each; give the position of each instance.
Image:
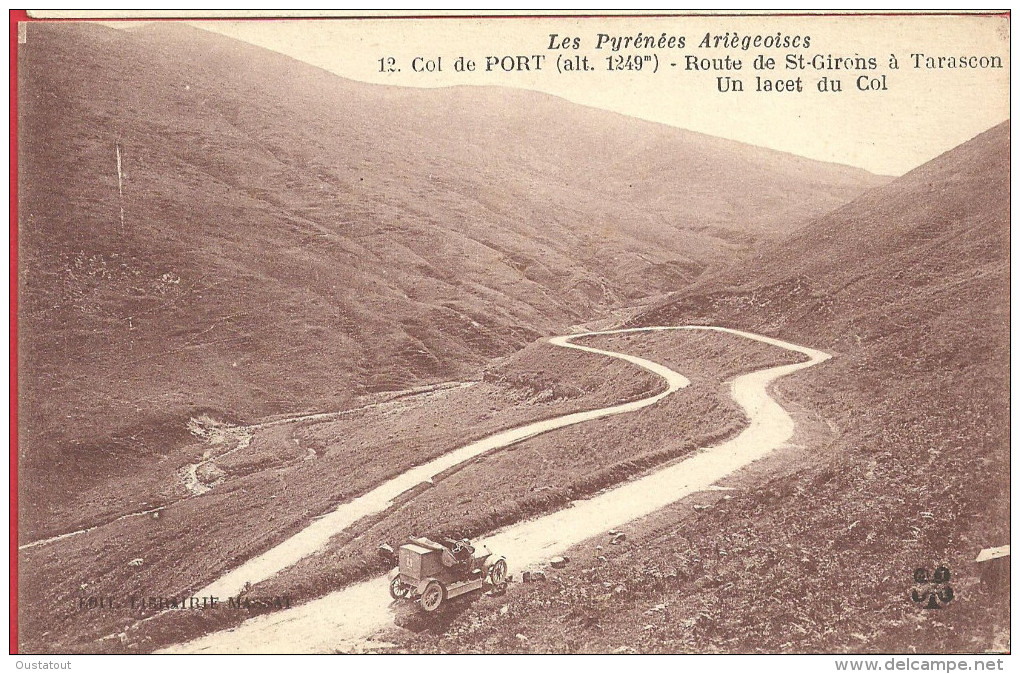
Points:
(756, 563)
(274, 487)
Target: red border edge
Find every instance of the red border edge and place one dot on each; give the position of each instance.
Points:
(16, 16)
(20, 15)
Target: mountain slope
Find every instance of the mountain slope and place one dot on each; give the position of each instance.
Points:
(908, 286)
(900, 460)
(291, 239)
(916, 271)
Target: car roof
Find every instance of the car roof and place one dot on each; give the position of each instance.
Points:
(427, 543)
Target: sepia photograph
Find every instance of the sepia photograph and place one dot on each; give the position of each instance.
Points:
(611, 333)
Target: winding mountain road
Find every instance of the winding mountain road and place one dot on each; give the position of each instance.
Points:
(348, 618)
(314, 536)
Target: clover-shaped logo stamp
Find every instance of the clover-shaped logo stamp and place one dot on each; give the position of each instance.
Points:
(931, 591)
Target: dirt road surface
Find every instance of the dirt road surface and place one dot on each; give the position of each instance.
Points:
(346, 620)
(314, 536)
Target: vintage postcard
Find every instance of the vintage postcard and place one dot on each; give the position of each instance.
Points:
(614, 333)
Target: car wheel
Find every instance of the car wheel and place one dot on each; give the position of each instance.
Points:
(398, 590)
(497, 573)
(432, 596)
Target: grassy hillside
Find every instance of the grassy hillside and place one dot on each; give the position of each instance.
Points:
(908, 287)
(290, 474)
(291, 240)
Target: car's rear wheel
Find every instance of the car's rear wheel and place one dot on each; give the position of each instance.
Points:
(432, 596)
(398, 590)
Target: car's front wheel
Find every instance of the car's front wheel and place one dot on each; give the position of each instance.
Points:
(497, 573)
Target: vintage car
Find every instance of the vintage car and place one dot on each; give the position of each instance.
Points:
(434, 572)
